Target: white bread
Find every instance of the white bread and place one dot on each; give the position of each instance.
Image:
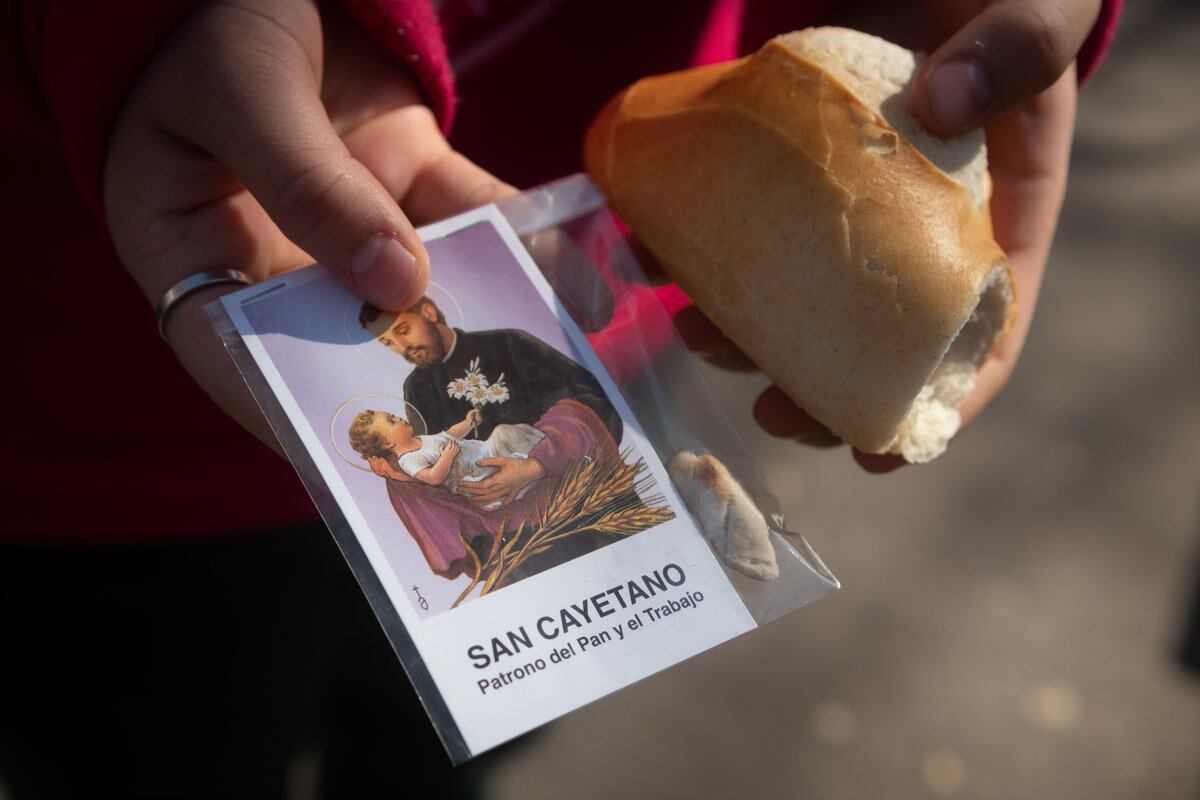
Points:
(798, 199)
(726, 514)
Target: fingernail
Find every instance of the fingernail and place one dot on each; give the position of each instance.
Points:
(384, 272)
(959, 94)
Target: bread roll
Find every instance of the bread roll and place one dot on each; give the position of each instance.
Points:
(797, 198)
(728, 517)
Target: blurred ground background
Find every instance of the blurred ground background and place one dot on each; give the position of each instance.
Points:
(1011, 613)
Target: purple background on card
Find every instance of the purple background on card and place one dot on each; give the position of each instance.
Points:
(305, 332)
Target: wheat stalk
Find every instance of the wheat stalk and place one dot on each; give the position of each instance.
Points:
(632, 520)
(625, 522)
(613, 482)
(618, 482)
(596, 495)
(570, 491)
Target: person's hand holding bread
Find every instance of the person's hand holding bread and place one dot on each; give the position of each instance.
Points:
(267, 135)
(827, 202)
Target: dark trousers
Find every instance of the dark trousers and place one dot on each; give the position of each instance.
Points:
(249, 666)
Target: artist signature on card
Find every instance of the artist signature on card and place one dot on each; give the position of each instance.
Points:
(421, 601)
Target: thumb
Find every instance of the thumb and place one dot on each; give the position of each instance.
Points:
(270, 128)
(1007, 54)
(490, 462)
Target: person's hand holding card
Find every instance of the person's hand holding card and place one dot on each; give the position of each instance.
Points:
(264, 139)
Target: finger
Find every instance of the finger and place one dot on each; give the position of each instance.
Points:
(405, 149)
(706, 340)
(775, 413)
(494, 493)
(488, 497)
(474, 489)
(1007, 54)
(206, 360)
(267, 123)
(878, 463)
(502, 495)
(490, 462)
(1028, 153)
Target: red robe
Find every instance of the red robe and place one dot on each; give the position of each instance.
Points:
(434, 517)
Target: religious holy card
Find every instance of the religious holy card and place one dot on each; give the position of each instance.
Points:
(504, 508)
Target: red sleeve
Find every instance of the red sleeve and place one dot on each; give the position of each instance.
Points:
(73, 63)
(409, 30)
(1095, 47)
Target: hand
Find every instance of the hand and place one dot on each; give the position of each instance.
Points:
(381, 467)
(512, 475)
(1007, 65)
(263, 136)
(474, 417)
(449, 450)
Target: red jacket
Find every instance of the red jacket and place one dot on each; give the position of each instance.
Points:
(105, 437)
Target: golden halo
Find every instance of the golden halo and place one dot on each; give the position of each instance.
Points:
(339, 422)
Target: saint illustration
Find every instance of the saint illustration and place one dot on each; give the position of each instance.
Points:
(510, 422)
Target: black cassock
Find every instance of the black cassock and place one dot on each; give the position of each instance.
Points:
(537, 376)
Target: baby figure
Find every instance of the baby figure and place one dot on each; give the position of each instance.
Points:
(387, 442)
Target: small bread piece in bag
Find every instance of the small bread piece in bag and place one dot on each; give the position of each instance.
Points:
(727, 516)
(798, 199)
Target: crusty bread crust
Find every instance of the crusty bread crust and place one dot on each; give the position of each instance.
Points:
(813, 233)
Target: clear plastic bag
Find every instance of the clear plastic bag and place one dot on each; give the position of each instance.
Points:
(586, 256)
(487, 666)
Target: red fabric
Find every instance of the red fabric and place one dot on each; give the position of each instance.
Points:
(86, 56)
(105, 437)
(1099, 40)
(83, 58)
(721, 35)
(409, 30)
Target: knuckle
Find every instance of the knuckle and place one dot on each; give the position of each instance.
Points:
(1044, 32)
(301, 200)
(226, 49)
(242, 23)
(485, 192)
(416, 120)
